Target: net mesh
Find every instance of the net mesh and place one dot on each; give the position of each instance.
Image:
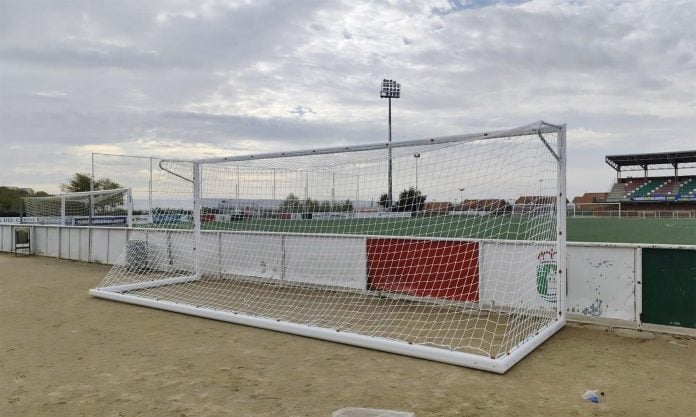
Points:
(462, 257)
(104, 207)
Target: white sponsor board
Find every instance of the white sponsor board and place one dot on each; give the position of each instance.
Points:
(313, 260)
(528, 269)
(251, 255)
(601, 282)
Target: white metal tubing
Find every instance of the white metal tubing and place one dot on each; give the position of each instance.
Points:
(562, 273)
(524, 349)
(197, 218)
(532, 129)
(150, 284)
(62, 210)
(638, 286)
(403, 348)
(149, 194)
(129, 207)
(91, 192)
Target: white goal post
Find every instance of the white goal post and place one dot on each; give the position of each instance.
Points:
(89, 208)
(309, 243)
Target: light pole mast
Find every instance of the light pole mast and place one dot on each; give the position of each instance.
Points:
(390, 89)
(416, 155)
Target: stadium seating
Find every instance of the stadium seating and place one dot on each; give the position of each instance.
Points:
(688, 187)
(659, 188)
(666, 188)
(632, 185)
(647, 188)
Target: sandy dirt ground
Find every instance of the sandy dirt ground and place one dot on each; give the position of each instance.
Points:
(63, 353)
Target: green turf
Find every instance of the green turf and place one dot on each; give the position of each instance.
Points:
(480, 227)
(667, 231)
(610, 230)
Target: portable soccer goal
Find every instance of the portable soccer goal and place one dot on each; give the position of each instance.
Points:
(89, 208)
(310, 243)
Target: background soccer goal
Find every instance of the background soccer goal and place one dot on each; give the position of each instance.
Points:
(96, 208)
(309, 243)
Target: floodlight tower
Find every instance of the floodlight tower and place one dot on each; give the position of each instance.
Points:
(390, 89)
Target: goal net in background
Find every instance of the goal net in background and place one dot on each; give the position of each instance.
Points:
(136, 172)
(91, 208)
(308, 243)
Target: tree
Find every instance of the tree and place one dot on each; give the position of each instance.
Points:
(346, 206)
(80, 182)
(310, 206)
(384, 200)
(106, 184)
(326, 206)
(410, 200)
(291, 204)
(11, 200)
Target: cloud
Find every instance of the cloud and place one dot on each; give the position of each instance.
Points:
(211, 77)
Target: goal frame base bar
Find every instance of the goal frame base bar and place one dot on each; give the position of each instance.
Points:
(469, 360)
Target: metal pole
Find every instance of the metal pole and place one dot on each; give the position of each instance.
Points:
(91, 178)
(91, 193)
(306, 191)
(149, 193)
(416, 156)
(562, 273)
(62, 209)
(390, 199)
(333, 189)
(129, 208)
(237, 193)
(197, 267)
(357, 193)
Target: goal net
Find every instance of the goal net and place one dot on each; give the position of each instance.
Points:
(311, 243)
(96, 208)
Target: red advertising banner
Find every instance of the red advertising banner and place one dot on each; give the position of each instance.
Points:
(422, 268)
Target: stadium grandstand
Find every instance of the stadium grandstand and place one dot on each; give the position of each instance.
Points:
(647, 194)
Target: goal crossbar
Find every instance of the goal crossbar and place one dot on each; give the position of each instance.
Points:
(537, 128)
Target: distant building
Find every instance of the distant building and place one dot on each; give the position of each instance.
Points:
(487, 204)
(437, 207)
(589, 198)
(535, 200)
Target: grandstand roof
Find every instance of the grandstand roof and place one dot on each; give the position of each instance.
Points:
(643, 160)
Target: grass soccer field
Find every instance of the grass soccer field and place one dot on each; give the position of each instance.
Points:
(580, 229)
(663, 231)
(475, 227)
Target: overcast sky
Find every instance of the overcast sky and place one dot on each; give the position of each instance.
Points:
(194, 78)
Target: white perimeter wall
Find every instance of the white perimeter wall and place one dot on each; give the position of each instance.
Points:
(508, 275)
(603, 279)
(602, 282)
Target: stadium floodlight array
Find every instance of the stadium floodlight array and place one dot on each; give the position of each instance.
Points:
(390, 89)
(298, 242)
(95, 208)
